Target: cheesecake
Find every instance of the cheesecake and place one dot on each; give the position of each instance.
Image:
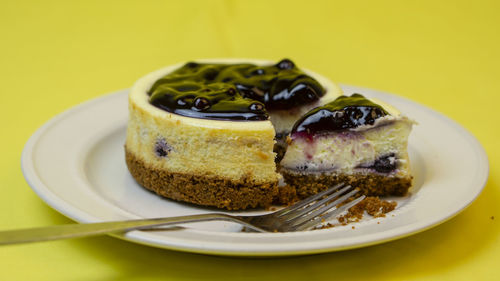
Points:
(210, 133)
(353, 140)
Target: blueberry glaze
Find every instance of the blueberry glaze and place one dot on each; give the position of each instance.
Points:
(234, 91)
(345, 112)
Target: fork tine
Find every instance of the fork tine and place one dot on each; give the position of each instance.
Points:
(316, 211)
(335, 212)
(311, 207)
(308, 200)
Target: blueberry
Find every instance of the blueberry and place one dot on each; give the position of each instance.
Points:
(285, 64)
(258, 72)
(302, 167)
(191, 64)
(162, 148)
(385, 164)
(201, 103)
(338, 114)
(256, 106)
(181, 102)
(376, 113)
(210, 74)
(280, 135)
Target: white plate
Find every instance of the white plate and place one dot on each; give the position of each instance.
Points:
(75, 163)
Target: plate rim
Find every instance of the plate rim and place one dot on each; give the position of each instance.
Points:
(141, 237)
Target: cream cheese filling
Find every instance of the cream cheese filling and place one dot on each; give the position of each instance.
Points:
(348, 150)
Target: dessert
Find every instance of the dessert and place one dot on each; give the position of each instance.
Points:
(353, 140)
(204, 133)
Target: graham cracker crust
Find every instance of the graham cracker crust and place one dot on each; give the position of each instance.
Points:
(305, 185)
(202, 189)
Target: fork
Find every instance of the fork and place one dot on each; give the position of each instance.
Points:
(301, 216)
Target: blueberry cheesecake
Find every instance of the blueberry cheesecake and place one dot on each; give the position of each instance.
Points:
(352, 140)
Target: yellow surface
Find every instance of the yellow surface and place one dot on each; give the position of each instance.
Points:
(54, 55)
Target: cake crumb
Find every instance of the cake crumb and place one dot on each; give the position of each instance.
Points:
(372, 205)
(324, 226)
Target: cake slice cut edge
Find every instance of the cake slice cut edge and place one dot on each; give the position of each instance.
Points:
(372, 157)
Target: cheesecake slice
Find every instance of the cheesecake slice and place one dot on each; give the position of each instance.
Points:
(204, 132)
(353, 140)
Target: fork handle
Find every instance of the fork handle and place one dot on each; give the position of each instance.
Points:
(90, 229)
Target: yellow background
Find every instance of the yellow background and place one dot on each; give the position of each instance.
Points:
(56, 54)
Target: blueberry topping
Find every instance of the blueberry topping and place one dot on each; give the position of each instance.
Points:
(201, 103)
(280, 146)
(256, 107)
(210, 74)
(234, 91)
(345, 112)
(181, 101)
(191, 64)
(187, 88)
(286, 64)
(258, 71)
